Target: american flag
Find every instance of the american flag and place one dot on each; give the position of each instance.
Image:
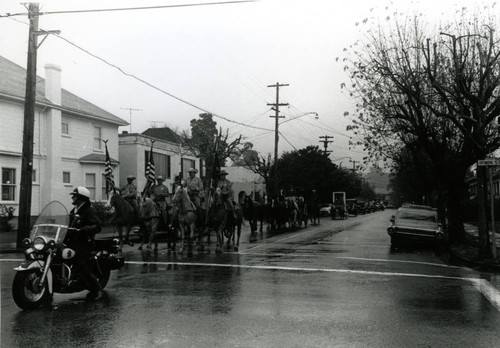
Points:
(108, 171)
(150, 171)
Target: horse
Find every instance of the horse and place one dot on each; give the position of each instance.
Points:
(302, 216)
(342, 212)
(150, 216)
(292, 212)
(254, 212)
(314, 212)
(124, 216)
(224, 224)
(277, 214)
(186, 217)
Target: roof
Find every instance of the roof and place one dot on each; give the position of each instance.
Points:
(163, 133)
(13, 84)
(96, 158)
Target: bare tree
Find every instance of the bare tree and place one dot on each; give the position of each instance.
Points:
(212, 145)
(439, 89)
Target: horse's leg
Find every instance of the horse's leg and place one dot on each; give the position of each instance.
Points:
(192, 228)
(183, 234)
(152, 233)
(120, 238)
(220, 239)
(237, 246)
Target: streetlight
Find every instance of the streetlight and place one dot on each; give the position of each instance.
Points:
(342, 158)
(296, 117)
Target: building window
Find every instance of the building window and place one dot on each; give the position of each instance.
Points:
(162, 164)
(186, 165)
(64, 128)
(66, 178)
(97, 138)
(90, 185)
(8, 184)
(33, 175)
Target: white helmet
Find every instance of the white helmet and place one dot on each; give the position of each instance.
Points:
(81, 191)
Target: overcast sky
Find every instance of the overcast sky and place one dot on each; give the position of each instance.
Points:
(217, 58)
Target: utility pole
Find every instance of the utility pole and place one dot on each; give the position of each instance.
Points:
(28, 128)
(25, 190)
(276, 108)
(130, 117)
(325, 142)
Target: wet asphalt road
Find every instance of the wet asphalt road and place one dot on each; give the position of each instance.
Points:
(333, 285)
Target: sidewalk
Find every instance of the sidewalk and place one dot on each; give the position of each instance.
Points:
(468, 254)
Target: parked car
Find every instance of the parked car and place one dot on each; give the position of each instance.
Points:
(415, 223)
(325, 210)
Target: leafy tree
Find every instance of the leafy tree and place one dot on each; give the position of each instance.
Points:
(306, 169)
(438, 89)
(412, 178)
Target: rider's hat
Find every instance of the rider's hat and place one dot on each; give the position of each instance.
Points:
(193, 170)
(223, 172)
(130, 177)
(159, 177)
(81, 192)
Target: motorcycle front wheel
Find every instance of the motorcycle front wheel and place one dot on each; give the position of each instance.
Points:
(27, 291)
(104, 278)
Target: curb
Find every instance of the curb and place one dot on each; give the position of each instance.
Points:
(471, 263)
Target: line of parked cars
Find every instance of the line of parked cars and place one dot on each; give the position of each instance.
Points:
(354, 207)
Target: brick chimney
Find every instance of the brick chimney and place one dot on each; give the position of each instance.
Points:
(53, 83)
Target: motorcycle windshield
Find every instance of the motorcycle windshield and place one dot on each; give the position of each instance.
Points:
(52, 223)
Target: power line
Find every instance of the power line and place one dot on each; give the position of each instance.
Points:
(157, 88)
(129, 8)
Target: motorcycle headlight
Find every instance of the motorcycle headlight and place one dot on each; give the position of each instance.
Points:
(39, 243)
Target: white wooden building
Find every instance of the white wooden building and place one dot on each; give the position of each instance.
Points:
(68, 139)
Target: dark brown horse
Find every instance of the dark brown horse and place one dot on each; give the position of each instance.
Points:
(253, 211)
(314, 211)
(224, 224)
(125, 217)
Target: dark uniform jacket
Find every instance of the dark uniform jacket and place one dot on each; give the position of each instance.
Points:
(85, 219)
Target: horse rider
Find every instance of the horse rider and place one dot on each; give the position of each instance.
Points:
(161, 197)
(226, 189)
(84, 218)
(194, 187)
(177, 182)
(129, 193)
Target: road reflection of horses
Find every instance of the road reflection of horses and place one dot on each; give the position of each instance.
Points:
(206, 290)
